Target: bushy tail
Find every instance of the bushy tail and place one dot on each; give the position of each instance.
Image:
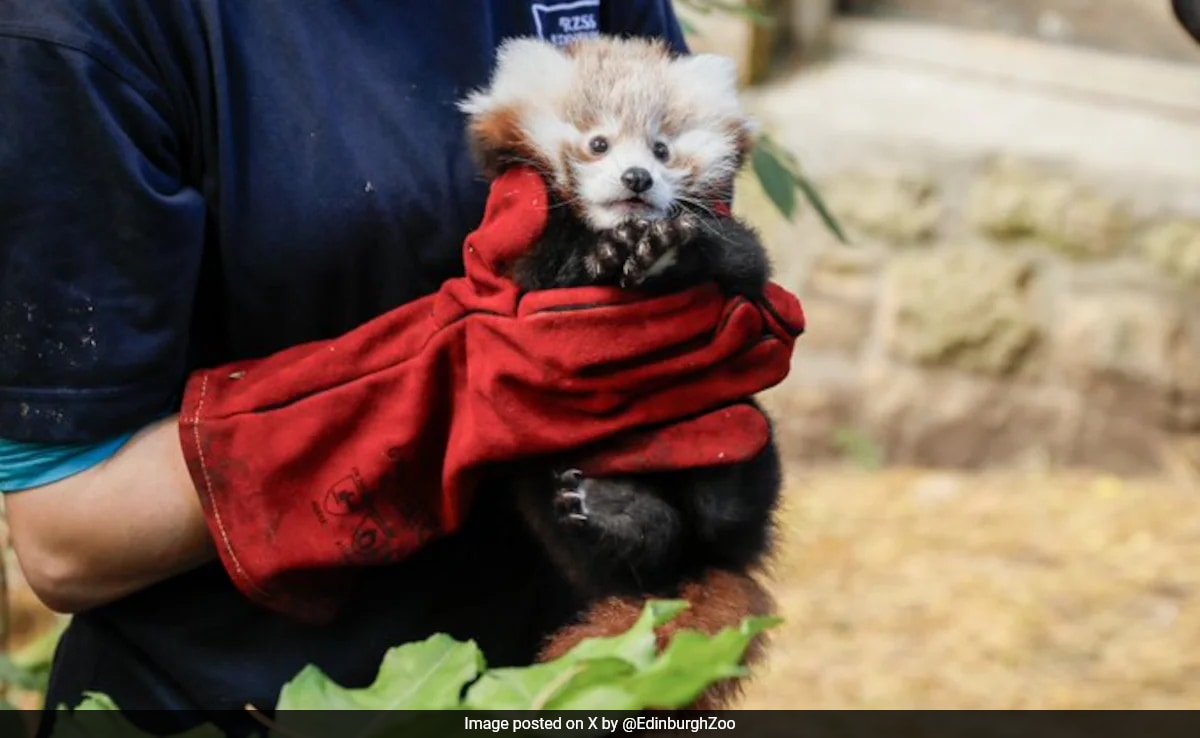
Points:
(719, 599)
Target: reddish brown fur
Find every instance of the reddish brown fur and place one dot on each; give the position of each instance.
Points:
(498, 140)
(629, 83)
(745, 140)
(721, 599)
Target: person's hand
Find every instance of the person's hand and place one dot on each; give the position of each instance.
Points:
(360, 449)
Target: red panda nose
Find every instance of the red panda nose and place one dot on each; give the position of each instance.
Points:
(637, 179)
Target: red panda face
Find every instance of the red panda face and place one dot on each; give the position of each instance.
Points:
(620, 128)
(619, 174)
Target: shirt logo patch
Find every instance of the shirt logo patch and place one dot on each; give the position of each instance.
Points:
(562, 23)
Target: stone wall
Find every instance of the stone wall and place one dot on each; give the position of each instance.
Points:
(992, 313)
(1143, 27)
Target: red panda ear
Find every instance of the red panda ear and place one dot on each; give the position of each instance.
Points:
(709, 81)
(708, 86)
(746, 133)
(499, 131)
(497, 139)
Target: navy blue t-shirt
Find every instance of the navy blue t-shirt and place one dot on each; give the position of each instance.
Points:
(189, 182)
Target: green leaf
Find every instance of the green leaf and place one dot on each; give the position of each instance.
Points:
(776, 180)
(638, 645)
(84, 722)
(773, 164)
(548, 686)
(694, 661)
(818, 203)
(95, 701)
(14, 675)
(29, 668)
(582, 678)
(425, 675)
(624, 672)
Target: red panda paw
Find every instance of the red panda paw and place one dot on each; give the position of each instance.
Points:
(718, 600)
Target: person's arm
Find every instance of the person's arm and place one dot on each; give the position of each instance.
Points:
(126, 523)
(100, 245)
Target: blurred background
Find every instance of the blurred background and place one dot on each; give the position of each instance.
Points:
(993, 424)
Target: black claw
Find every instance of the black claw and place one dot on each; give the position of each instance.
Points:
(607, 251)
(689, 226)
(628, 232)
(570, 502)
(647, 251)
(593, 266)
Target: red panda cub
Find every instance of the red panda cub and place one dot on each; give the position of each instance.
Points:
(638, 146)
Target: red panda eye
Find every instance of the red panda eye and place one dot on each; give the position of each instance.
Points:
(661, 152)
(598, 145)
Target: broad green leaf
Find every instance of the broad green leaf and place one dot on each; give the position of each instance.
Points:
(95, 701)
(638, 645)
(97, 716)
(776, 180)
(425, 675)
(693, 661)
(544, 686)
(624, 672)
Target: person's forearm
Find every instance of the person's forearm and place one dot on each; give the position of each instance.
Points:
(111, 530)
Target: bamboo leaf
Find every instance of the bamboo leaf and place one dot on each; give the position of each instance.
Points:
(776, 180)
(787, 161)
(818, 203)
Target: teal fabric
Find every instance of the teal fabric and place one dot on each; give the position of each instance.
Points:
(27, 465)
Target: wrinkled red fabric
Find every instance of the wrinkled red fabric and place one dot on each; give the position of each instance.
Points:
(358, 450)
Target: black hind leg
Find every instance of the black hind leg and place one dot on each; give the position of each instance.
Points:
(606, 535)
(732, 510)
(628, 526)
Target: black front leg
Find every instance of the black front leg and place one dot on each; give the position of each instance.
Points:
(734, 255)
(571, 255)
